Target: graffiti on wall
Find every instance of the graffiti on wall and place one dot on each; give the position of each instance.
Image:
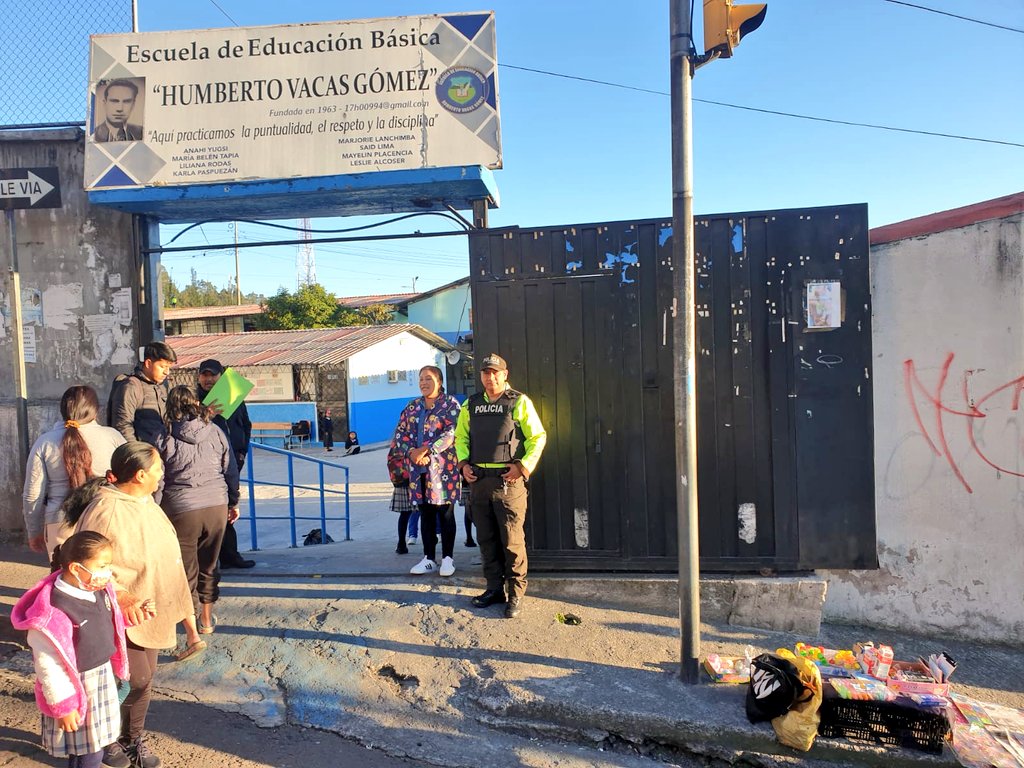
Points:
(942, 409)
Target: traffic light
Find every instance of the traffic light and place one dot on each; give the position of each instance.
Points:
(725, 24)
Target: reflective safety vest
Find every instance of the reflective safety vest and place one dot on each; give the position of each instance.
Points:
(494, 437)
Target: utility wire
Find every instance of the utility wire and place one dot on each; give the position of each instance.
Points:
(955, 16)
(779, 112)
(863, 125)
(224, 12)
(772, 111)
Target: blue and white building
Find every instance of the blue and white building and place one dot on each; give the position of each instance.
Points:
(364, 374)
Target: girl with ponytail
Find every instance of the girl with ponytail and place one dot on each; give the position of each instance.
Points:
(62, 459)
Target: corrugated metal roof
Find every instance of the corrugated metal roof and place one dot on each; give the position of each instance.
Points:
(357, 302)
(196, 313)
(314, 346)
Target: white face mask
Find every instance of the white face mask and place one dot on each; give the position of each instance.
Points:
(98, 579)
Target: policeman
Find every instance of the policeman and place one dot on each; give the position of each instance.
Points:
(498, 441)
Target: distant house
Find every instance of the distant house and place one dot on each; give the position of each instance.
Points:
(446, 311)
(242, 317)
(396, 300)
(365, 374)
(229, 319)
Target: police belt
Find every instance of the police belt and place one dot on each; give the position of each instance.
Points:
(489, 471)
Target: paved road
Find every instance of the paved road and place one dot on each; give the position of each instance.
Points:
(189, 734)
(340, 640)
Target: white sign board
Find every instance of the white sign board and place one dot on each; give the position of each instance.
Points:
(297, 101)
(272, 383)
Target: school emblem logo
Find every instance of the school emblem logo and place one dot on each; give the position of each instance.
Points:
(461, 89)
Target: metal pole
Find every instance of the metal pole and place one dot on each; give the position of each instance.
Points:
(18, 345)
(238, 286)
(252, 501)
(291, 500)
(348, 510)
(135, 15)
(684, 340)
(323, 505)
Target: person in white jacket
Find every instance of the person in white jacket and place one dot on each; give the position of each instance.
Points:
(62, 459)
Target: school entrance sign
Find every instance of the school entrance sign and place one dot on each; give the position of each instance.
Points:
(244, 105)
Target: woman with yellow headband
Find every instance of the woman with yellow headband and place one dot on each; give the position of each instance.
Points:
(73, 450)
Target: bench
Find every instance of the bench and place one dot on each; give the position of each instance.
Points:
(280, 430)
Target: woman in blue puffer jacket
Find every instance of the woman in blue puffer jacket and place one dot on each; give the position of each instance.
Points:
(200, 498)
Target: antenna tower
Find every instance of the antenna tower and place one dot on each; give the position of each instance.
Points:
(305, 260)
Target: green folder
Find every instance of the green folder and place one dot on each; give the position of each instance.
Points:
(229, 392)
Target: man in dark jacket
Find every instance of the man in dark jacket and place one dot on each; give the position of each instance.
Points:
(138, 403)
(238, 429)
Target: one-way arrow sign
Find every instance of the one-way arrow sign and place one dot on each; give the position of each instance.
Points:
(29, 188)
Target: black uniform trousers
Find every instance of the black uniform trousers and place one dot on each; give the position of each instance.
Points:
(499, 514)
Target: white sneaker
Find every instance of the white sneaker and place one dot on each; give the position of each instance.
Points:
(411, 541)
(447, 567)
(426, 565)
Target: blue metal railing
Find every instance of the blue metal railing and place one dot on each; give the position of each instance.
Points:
(291, 486)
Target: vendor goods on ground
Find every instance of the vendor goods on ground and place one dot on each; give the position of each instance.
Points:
(866, 694)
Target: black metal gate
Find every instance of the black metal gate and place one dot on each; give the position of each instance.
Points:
(583, 315)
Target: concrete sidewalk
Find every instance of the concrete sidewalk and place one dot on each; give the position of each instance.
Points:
(339, 637)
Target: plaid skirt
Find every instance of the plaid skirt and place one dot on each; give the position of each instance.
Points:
(102, 724)
(401, 500)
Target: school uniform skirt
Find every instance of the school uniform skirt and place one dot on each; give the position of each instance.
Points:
(401, 501)
(102, 724)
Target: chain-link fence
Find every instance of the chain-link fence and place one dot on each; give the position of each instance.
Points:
(45, 46)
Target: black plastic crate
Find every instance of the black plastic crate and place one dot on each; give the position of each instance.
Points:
(897, 723)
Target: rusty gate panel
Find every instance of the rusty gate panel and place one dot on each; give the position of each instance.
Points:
(583, 314)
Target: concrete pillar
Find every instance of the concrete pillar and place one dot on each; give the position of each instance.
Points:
(80, 282)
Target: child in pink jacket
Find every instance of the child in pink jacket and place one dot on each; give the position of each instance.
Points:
(76, 632)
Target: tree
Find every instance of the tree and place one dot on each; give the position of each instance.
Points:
(201, 293)
(309, 307)
(376, 314)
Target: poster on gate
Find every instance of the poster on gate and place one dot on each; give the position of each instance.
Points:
(295, 101)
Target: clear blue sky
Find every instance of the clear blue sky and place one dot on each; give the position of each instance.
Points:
(582, 152)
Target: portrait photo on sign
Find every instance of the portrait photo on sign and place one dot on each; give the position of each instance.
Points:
(118, 109)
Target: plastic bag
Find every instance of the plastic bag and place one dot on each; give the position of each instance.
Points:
(774, 687)
(798, 727)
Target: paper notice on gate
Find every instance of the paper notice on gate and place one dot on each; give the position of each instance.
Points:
(228, 393)
(824, 304)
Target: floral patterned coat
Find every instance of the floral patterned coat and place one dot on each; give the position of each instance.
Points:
(417, 426)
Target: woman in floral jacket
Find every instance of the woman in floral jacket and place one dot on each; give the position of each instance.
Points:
(423, 448)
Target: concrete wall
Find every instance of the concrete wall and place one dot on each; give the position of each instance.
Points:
(79, 261)
(949, 455)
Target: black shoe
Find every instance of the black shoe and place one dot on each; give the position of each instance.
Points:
(238, 562)
(470, 542)
(402, 550)
(114, 756)
(140, 755)
(490, 597)
(514, 607)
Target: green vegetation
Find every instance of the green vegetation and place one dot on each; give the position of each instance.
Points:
(201, 293)
(309, 307)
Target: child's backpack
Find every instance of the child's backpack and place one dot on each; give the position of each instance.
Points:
(316, 536)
